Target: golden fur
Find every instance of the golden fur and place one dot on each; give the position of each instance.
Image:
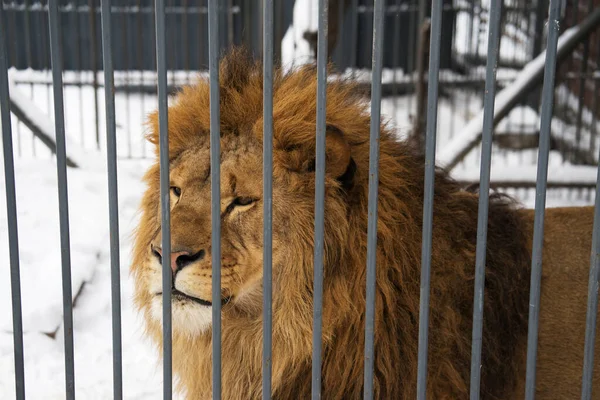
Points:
(564, 285)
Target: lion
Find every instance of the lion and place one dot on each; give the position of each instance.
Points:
(566, 256)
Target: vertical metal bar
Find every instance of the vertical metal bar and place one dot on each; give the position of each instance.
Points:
(432, 98)
(201, 40)
(12, 44)
(171, 15)
(339, 28)
(65, 246)
(259, 38)
(470, 42)
(126, 65)
(411, 65)
(27, 25)
(44, 45)
(223, 25)
(278, 30)
(19, 135)
(378, 26)
(353, 35)
(140, 62)
(153, 48)
(113, 202)
(186, 43)
(247, 23)
(215, 190)
(484, 192)
(12, 59)
(538, 38)
(592, 307)
(540, 196)
(582, 84)
(40, 50)
(229, 15)
(452, 97)
(163, 126)
(396, 38)
(573, 22)
(94, 66)
(267, 196)
(595, 103)
(480, 12)
(30, 63)
(11, 211)
(71, 43)
(77, 67)
(319, 197)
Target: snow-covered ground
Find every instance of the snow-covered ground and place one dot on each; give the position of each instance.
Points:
(39, 243)
(39, 238)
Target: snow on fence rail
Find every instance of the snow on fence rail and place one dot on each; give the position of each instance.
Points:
(563, 176)
(41, 125)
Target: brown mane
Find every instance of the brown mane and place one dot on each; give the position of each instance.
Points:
(398, 257)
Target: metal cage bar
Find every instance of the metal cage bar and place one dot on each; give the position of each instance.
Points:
(540, 196)
(484, 193)
(63, 196)
(11, 211)
(215, 190)
(432, 99)
(378, 26)
(113, 199)
(267, 196)
(353, 35)
(163, 127)
(319, 197)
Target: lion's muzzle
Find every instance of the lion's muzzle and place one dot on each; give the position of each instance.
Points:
(178, 295)
(179, 258)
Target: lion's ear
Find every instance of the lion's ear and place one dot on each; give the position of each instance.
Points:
(337, 152)
(338, 158)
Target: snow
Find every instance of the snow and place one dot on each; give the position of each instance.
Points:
(39, 244)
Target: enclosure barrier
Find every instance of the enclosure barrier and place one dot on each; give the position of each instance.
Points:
(213, 10)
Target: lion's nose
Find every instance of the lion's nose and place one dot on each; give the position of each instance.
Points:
(179, 259)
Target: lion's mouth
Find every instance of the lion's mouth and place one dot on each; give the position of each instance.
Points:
(178, 295)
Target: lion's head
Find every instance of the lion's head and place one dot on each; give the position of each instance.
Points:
(242, 195)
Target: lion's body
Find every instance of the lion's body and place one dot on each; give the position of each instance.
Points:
(564, 285)
(564, 292)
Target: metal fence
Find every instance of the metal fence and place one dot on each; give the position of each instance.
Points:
(433, 91)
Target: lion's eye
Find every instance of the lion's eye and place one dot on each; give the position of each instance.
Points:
(243, 201)
(239, 202)
(176, 191)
